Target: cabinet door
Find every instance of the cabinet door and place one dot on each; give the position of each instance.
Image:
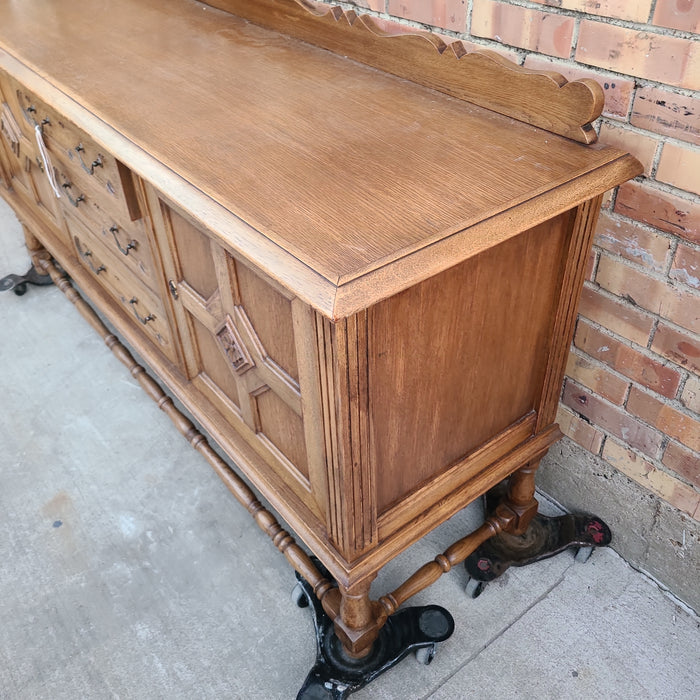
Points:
(251, 354)
(25, 170)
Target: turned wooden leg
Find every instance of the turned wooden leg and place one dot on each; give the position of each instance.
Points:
(37, 252)
(357, 624)
(521, 497)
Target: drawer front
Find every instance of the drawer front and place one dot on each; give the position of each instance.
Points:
(136, 299)
(128, 244)
(86, 164)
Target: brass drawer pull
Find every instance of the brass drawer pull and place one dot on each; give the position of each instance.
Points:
(97, 163)
(86, 255)
(131, 245)
(75, 202)
(143, 319)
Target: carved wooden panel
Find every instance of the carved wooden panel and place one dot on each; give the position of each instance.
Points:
(240, 332)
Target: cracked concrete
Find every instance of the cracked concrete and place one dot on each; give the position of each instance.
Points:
(130, 572)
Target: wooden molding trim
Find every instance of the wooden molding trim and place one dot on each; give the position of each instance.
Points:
(541, 98)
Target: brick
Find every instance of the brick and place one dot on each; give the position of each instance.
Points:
(682, 348)
(666, 59)
(579, 431)
(627, 361)
(642, 471)
(448, 14)
(677, 14)
(665, 417)
(690, 397)
(522, 27)
(660, 209)
(618, 90)
(617, 316)
(632, 241)
(667, 113)
(594, 376)
(591, 262)
(679, 306)
(641, 146)
(686, 266)
(680, 166)
(637, 11)
(612, 419)
(682, 461)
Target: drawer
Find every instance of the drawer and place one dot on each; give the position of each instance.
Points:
(129, 244)
(140, 303)
(87, 164)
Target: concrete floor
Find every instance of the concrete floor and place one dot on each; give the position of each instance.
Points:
(128, 571)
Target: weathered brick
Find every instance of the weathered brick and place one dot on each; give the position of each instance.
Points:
(627, 361)
(618, 90)
(660, 209)
(665, 417)
(678, 14)
(680, 306)
(648, 55)
(680, 166)
(579, 431)
(639, 145)
(519, 26)
(682, 461)
(594, 376)
(612, 419)
(637, 11)
(686, 266)
(667, 113)
(642, 471)
(690, 397)
(632, 241)
(377, 5)
(591, 262)
(616, 315)
(682, 348)
(448, 14)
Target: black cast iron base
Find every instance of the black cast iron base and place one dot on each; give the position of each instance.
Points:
(335, 675)
(545, 537)
(18, 283)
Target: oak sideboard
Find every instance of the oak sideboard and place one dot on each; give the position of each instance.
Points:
(354, 258)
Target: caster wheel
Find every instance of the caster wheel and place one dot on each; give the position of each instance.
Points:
(299, 596)
(475, 588)
(583, 554)
(20, 290)
(425, 655)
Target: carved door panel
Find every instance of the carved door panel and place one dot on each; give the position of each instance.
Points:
(25, 169)
(250, 351)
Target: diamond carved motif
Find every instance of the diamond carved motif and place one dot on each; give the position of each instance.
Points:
(231, 344)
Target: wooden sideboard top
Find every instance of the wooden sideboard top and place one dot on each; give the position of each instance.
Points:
(344, 182)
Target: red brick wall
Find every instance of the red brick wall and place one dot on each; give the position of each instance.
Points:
(632, 392)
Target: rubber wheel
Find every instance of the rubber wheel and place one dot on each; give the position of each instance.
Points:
(299, 596)
(474, 588)
(20, 289)
(425, 655)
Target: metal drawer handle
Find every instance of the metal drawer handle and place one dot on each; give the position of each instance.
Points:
(131, 245)
(97, 163)
(144, 319)
(75, 202)
(86, 255)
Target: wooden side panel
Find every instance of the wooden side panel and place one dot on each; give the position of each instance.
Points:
(461, 357)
